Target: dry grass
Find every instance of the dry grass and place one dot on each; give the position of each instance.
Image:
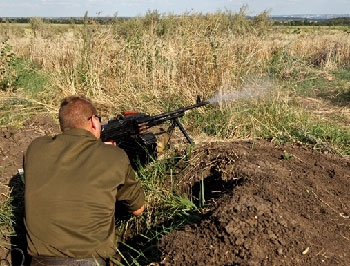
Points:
(147, 71)
(154, 64)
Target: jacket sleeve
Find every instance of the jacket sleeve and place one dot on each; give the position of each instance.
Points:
(131, 192)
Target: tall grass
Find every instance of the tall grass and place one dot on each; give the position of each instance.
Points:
(133, 62)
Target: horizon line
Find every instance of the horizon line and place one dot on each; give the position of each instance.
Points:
(277, 15)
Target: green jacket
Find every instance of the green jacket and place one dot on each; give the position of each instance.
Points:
(72, 182)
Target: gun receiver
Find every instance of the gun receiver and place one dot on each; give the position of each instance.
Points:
(173, 116)
(131, 132)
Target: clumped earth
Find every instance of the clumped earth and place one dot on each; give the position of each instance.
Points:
(264, 203)
(267, 205)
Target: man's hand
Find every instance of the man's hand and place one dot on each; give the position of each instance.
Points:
(139, 211)
(111, 142)
(143, 128)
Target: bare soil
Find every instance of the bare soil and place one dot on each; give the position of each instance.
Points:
(264, 204)
(267, 204)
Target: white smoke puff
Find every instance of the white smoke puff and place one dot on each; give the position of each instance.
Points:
(226, 94)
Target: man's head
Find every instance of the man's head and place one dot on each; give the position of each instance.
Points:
(79, 112)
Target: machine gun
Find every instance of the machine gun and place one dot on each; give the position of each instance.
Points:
(131, 132)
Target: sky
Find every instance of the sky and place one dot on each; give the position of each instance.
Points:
(130, 8)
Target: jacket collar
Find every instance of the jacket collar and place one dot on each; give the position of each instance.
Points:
(78, 132)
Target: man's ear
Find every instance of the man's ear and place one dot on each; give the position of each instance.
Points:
(95, 127)
(93, 123)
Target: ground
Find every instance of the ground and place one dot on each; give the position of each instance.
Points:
(268, 205)
(264, 203)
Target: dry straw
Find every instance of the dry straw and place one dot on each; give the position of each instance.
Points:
(146, 63)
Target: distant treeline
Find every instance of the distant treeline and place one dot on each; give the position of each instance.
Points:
(63, 20)
(340, 21)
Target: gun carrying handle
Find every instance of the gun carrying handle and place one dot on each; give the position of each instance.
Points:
(130, 112)
(177, 122)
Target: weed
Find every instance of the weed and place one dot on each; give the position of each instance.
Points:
(286, 156)
(19, 73)
(6, 216)
(166, 211)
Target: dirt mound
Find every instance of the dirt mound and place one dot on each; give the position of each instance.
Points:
(14, 141)
(264, 204)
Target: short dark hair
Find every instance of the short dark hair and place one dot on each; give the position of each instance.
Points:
(75, 111)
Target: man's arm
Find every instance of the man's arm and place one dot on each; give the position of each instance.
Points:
(132, 194)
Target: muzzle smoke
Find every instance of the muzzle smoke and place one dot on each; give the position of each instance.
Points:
(245, 93)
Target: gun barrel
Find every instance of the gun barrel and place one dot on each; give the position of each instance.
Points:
(158, 119)
(195, 105)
